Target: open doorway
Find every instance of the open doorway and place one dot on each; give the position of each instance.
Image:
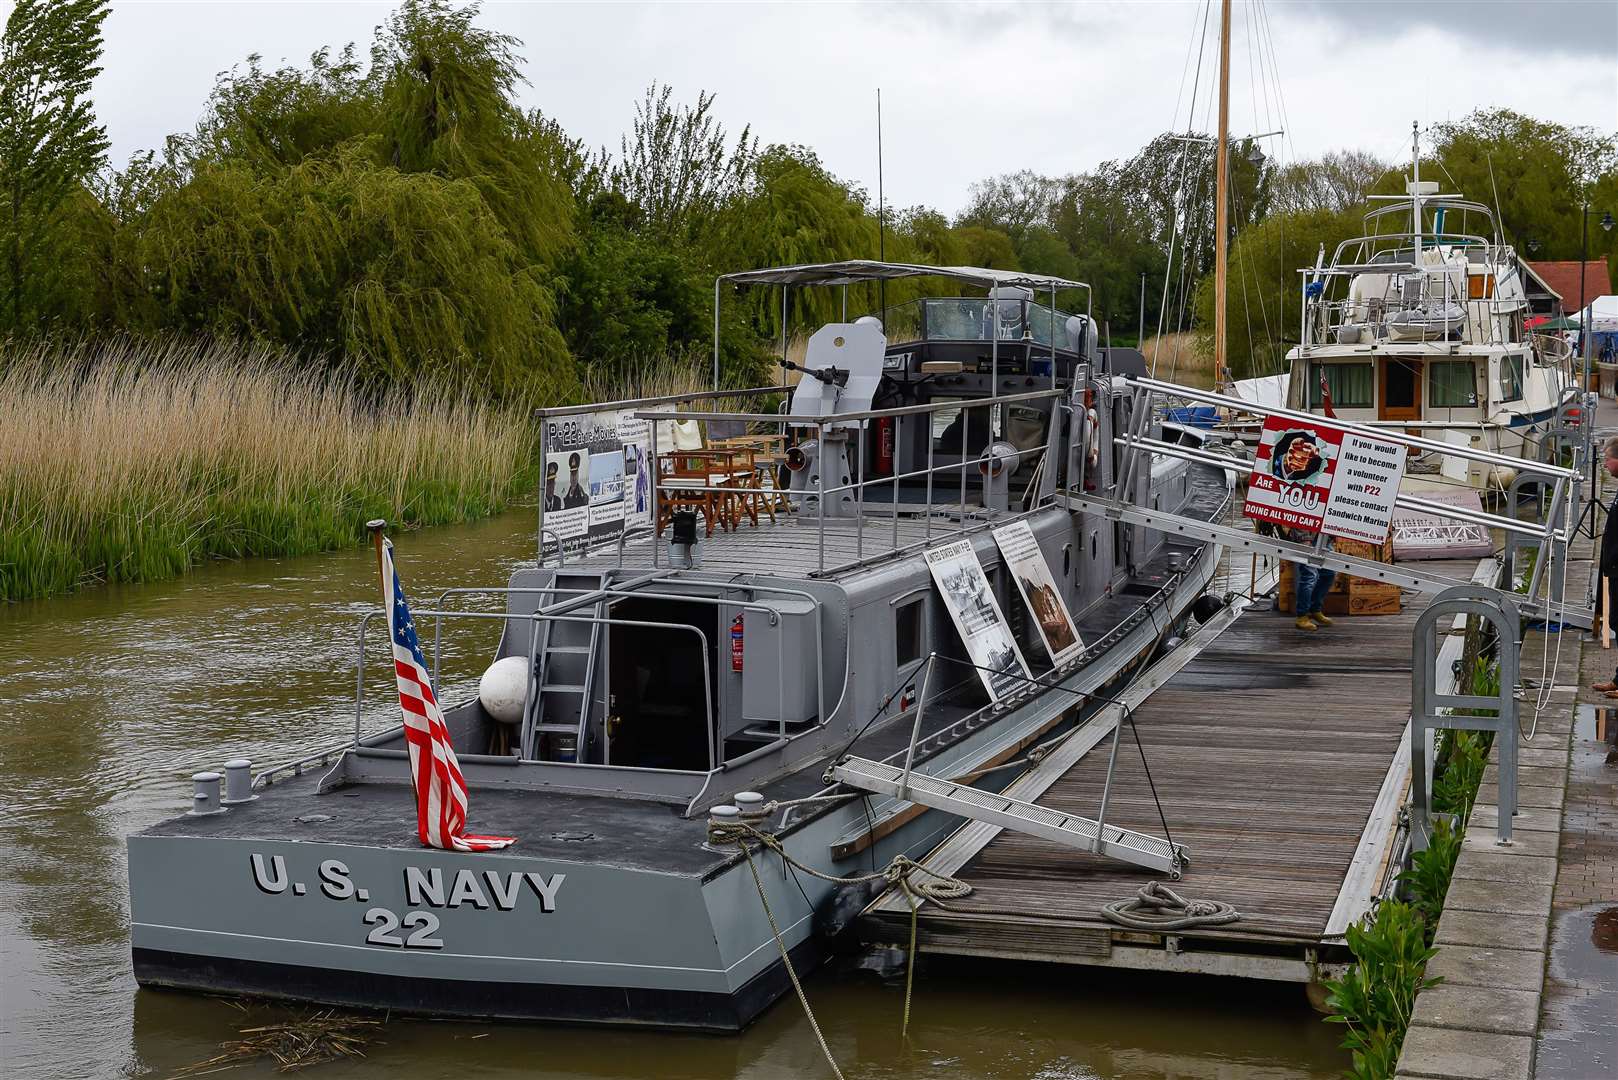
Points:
(660, 703)
(1401, 390)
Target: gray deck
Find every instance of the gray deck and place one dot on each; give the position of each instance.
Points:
(1268, 751)
(790, 546)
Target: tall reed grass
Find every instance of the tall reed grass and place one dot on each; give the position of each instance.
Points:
(134, 460)
(1183, 357)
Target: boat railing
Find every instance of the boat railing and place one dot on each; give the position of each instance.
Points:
(1353, 320)
(999, 456)
(568, 611)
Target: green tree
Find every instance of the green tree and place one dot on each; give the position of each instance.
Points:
(1539, 174)
(402, 220)
(677, 169)
(796, 211)
(50, 148)
(1265, 292)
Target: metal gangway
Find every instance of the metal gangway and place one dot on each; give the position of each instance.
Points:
(1151, 396)
(1500, 606)
(960, 798)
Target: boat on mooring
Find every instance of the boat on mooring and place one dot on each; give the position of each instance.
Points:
(1421, 327)
(816, 625)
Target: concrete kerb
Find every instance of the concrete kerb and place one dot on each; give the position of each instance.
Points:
(1492, 937)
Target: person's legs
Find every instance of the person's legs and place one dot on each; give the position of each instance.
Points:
(1323, 580)
(1304, 596)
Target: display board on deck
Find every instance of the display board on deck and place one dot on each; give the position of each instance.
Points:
(1320, 478)
(977, 617)
(595, 474)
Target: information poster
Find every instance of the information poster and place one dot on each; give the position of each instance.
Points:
(1319, 478)
(596, 480)
(1367, 483)
(1039, 591)
(977, 617)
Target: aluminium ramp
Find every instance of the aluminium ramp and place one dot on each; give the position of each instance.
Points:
(962, 800)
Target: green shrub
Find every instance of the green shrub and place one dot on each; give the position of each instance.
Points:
(1427, 880)
(1374, 999)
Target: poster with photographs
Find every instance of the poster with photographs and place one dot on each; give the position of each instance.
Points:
(595, 477)
(977, 617)
(1039, 591)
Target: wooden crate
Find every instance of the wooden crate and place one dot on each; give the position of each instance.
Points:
(1374, 598)
(1348, 595)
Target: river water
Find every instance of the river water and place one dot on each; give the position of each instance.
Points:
(110, 699)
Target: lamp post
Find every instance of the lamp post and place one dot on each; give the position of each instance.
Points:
(1584, 347)
(1584, 257)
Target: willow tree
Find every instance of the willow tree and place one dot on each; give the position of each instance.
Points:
(447, 94)
(390, 275)
(50, 148)
(396, 220)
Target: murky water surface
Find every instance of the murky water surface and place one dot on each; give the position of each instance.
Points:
(110, 699)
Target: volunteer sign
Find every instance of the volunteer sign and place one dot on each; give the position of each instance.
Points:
(1319, 478)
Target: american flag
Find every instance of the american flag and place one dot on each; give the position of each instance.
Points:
(1325, 395)
(440, 786)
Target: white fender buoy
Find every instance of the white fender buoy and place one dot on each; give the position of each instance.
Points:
(502, 688)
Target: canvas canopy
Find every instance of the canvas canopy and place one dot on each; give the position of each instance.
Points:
(858, 270)
(1603, 315)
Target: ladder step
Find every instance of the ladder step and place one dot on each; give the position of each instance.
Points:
(1071, 830)
(557, 729)
(562, 688)
(569, 650)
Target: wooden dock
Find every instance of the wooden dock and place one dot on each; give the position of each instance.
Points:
(1280, 759)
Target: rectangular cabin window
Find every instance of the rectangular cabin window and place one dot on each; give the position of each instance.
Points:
(1450, 385)
(1510, 378)
(907, 624)
(1350, 386)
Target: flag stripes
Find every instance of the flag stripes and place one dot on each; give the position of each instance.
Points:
(434, 771)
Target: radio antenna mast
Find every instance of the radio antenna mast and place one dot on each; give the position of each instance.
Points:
(881, 213)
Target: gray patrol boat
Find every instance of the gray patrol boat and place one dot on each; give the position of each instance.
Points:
(805, 608)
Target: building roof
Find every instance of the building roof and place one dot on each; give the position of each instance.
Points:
(1563, 279)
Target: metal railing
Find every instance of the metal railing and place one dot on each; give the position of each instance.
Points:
(1137, 444)
(860, 484)
(714, 738)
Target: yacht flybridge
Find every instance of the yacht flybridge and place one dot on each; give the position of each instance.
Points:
(815, 609)
(1420, 326)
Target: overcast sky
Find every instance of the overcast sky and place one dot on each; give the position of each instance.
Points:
(968, 90)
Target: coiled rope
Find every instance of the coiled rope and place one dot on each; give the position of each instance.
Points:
(1158, 907)
(899, 872)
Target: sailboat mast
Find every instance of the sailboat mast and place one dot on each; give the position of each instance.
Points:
(1415, 188)
(1222, 196)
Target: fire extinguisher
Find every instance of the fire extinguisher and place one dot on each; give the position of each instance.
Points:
(736, 644)
(884, 446)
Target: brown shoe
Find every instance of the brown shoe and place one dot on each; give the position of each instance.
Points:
(1319, 618)
(1604, 687)
(1612, 694)
(1304, 622)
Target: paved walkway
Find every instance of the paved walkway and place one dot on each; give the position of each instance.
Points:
(1528, 942)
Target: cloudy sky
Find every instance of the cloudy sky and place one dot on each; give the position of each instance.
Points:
(968, 90)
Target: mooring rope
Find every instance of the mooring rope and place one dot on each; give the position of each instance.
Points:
(899, 872)
(1158, 907)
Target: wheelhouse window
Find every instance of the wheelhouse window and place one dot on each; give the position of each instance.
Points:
(1509, 380)
(1450, 385)
(1350, 386)
(907, 624)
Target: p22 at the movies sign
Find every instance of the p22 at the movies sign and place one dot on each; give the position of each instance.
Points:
(595, 478)
(1320, 478)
